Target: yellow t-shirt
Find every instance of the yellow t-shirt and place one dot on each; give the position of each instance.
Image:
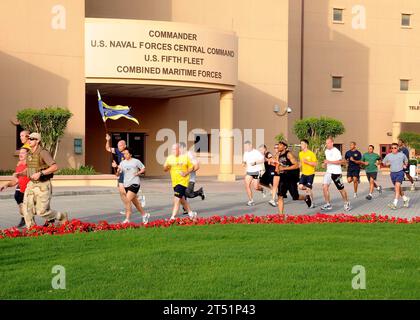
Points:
(26, 145)
(308, 155)
(179, 164)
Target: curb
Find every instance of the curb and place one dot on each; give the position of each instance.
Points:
(70, 193)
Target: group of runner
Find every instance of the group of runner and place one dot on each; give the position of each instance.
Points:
(280, 172)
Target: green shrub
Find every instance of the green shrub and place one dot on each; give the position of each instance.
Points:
(7, 172)
(83, 170)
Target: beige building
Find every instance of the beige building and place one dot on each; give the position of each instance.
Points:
(356, 61)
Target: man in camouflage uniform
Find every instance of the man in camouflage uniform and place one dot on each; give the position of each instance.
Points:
(41, 167)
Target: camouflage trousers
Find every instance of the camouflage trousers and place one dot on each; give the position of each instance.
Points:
(37, 202)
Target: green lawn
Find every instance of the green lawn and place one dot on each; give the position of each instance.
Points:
(217, 262)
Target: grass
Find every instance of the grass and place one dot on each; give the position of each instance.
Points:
(217, 262)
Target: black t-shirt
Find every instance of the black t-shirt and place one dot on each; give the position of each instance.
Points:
(356, 156)
(284, 161)
(269, 169)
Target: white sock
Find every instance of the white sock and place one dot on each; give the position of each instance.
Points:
(395, 202)
(404, 198)
(370, 194)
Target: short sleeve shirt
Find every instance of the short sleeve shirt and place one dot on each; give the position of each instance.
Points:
(250, 157)
(371, 158)
(119, 154)
(333, 155)
(177, 165)
(308, 155)
(396, 161)
(130, 169)
(356, 156)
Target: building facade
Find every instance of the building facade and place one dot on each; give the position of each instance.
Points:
(356, 61)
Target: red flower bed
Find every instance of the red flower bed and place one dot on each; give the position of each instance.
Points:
(77, 226)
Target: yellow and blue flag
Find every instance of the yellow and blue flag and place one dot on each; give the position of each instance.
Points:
(114, 112)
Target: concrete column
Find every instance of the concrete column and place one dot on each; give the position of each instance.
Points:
(226, 137)
(396, 130)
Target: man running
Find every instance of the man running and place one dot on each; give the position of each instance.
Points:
(253, 160)
(190, 193)
(402, 148)
(308, 163)
(333, 161)
(288, 168)
(371, 160)
(180, 167)
(267, 179)
(41, 168)
(119, 157)
(353, 157)
(21, 181)
(398, 162)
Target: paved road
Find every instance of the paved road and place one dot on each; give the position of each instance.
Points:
(100, 203)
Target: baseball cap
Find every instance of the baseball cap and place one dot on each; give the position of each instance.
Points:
(35, 135)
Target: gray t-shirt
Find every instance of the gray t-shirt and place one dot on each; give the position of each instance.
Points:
(396, 160)
(130, 169)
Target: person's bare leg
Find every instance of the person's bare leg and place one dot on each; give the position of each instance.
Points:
(344, 195)
(280, 205)
(276, 181)
(185, 204)
(248, 180)
(175, 208)
(371, 185)
(137, 204)
(127, 204)
(355, 184)
(326, 191)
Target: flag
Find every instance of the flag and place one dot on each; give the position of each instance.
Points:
(114, 112)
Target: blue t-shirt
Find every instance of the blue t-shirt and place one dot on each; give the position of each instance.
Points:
(357, 155)
(119, 154)
(406, 152)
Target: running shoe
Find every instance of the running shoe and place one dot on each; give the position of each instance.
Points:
(392, 206)
(413, 187)
(313, 205)
(347, 206)
(251, 203)
(126, 221)
(264, 194)
(368, 197)
(202, 195)
(192, 215)
(308, 201)
(380, 189)
(406, 202)
(49, 223)
(355, 196)
(122, 212)
(145, 218)
(21, 223)
(326, 207)
(272, 203)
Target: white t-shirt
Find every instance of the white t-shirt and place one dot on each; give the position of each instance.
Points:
(253, 156)
(333, 155)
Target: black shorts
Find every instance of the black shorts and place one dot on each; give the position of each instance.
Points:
(19, 196)
(372, 175)
(179, 191)
(307, 181)
(337, 179)
(288, 185)
(407, 170)
(133, 188)
(353, 173)
(267, 178)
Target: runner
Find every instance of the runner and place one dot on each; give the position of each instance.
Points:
(131, 169)
(253, 160)
(267, 179)
(402, 148)
(371, 160)
(288, 168)
(180, 168)
(190, 193)
(308, 163)
(276, 178)
(119, 157)
(398, 162)
(333, 161)
(24, 138)
(353, 157)
(21, 181)
(40, 169)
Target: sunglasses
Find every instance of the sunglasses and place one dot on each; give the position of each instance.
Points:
(32, 139)
(394, 148)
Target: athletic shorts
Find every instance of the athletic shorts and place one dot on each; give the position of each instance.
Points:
(372, 175)
(267, 178)
(255, 175)
(19, 197)
(397, 177)
(287, 185)
(307, 181)
(336, 178)
(121, 178)
(133, 188)
(179, 191)
(353, 173)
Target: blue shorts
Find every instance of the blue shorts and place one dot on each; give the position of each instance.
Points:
(397, 177)
(307, 181)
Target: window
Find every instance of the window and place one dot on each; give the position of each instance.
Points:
(337, 15)
(202, 143)
(405, 20)
(404, 85)
(339, 146)
(337, 82)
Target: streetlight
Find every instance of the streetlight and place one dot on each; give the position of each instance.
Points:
(276, 110)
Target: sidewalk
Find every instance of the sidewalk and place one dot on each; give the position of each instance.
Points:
(222, 198)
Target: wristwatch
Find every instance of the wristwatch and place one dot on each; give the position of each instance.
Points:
(42, 173)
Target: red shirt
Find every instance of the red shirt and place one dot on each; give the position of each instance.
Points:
(22, 180)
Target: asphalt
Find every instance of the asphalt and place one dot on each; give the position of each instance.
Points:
(222, 198)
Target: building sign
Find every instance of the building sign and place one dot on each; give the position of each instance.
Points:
(415, 107)
(157, 50)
